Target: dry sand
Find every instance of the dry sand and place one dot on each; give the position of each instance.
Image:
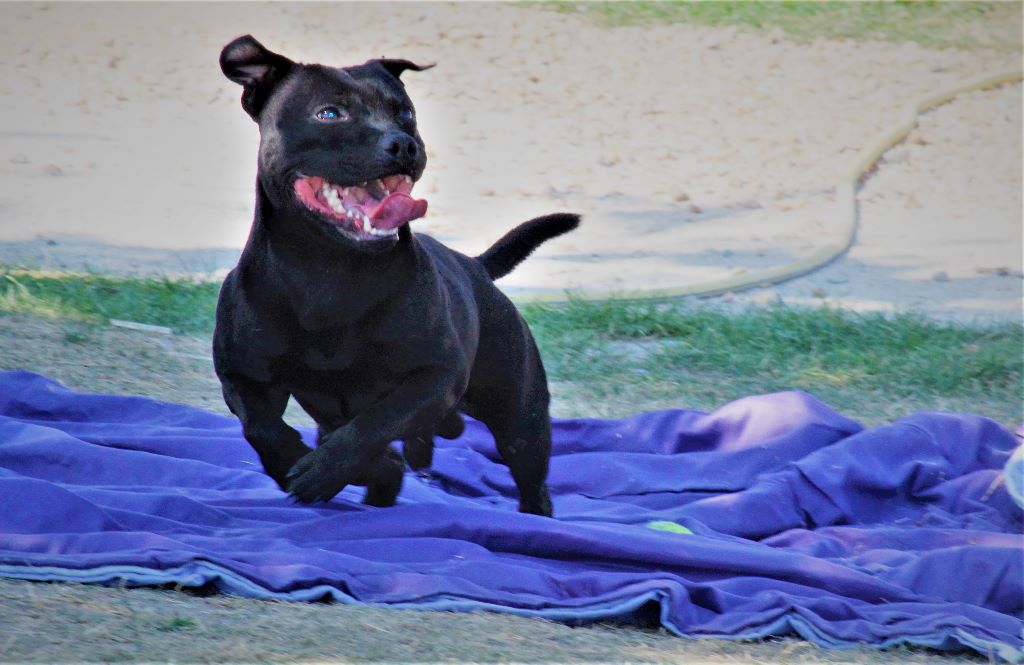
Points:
(694, 153)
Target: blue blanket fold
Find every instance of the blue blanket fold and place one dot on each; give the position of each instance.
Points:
(782, 516)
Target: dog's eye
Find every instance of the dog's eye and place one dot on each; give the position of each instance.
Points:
(407, 115)
(332, 114)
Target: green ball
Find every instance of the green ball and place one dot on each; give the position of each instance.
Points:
(672, 527)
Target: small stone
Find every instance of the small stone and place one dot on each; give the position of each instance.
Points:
(712, 41)
(818, 292)
(720, 36)
(695, 209)
(915, 138)
(681, 196)
(487, 191)
(910, 201)
(19, 158)
(1000, 271)
(941, 276)
(53, 169)
(767, 297)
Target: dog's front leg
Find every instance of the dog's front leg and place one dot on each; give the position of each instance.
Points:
(346, 454)
(260, 408)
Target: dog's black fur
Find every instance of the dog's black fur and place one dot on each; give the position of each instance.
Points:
(377, 339)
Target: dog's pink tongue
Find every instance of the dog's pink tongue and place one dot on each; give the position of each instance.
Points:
(397, 209)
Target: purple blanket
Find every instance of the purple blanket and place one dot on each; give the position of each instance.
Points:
(771, 516)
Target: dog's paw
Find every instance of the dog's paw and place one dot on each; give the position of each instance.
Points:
(313, 479)
(418, 452)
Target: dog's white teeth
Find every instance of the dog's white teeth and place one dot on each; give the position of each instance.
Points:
(381, 232)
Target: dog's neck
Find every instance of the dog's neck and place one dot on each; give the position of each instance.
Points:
(351, 282)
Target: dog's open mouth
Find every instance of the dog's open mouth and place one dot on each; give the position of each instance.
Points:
(368, 211)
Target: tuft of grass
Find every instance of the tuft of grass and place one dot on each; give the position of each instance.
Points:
(176, 623)
(76, 337)
(182, 304)
(932, 24)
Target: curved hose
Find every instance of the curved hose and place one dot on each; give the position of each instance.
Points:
(846, 195)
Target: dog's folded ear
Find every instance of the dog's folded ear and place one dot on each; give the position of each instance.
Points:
(396, 67)
(250, 64)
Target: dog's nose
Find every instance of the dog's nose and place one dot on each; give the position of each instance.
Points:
(400, 146)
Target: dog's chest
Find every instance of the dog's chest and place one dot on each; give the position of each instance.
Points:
(336, 377)
(331, 352)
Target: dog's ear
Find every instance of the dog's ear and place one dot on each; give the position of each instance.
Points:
(396, 67)
(257, 69)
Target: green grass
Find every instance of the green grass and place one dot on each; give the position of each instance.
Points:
(881, 365)
(967, 25)
(176, 623)
(184, 305)
(617, 358)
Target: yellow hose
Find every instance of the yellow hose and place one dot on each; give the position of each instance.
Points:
(846, 195)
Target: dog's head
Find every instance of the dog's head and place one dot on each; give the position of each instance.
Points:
(338, 146)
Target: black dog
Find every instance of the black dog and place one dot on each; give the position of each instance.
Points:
(379, 334)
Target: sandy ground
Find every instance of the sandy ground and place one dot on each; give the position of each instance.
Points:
(694, 153)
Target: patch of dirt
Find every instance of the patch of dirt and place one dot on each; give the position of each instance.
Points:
(46, 622)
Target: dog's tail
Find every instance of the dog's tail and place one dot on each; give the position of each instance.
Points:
(518, 243)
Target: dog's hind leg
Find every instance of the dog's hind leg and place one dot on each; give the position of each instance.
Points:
(452, 426)
(419, 450)
(525, 445)
(508, 392)
(383, 479)
(517, 416)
